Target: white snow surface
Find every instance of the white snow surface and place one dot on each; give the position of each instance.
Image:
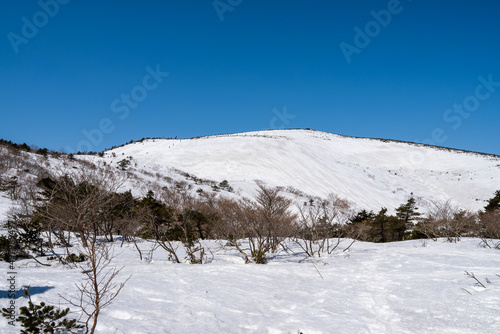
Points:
(404, 287)
(370, 173)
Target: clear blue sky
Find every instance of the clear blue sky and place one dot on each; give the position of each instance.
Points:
(85, 67)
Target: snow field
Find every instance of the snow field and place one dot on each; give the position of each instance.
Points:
(372, 288)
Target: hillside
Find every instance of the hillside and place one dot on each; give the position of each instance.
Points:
(199, 263)
(371, 173)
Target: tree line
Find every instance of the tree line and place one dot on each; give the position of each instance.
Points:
(88, 204)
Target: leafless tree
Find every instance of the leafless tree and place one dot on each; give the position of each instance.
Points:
(490, 224)
(272, 220)
(175, 196)
(178, 221)
(159, 231)
(230, 225)
(320, 221)
(78, 202)
(447, 221)
(490, 229)
(99, 288)
(116, 216)
(129, 226)
(263, 223)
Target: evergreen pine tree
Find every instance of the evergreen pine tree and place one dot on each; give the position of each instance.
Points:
(378, 231)
(362, 216)
(493, 203)
(408, 212)
(42, 318)
(406, 215)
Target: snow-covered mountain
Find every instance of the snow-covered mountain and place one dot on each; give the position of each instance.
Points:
(409, 287)
(371, 173)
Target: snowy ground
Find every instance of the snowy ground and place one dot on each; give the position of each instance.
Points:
(403, 287)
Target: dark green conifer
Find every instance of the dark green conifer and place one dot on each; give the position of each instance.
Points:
(493, 203)
(36, 319)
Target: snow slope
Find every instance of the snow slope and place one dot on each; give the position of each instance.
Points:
(371, 288)
(371, 173)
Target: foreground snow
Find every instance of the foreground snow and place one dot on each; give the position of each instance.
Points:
(405, 287)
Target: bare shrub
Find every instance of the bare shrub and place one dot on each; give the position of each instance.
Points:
(264, 223)
(77, 202)
(446, 221)
(478, 282)
(175, 220)
(157, 223)
(490, 229)
(81, 202)
(99, 288)
(490, 224)
(319, 221)
(230, 225)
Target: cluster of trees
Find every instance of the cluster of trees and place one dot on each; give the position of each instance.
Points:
(381, 227)
(446, 221)
(442, 221)
(88, 204)
(44, 216)
(23, 147)
(28, 148)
